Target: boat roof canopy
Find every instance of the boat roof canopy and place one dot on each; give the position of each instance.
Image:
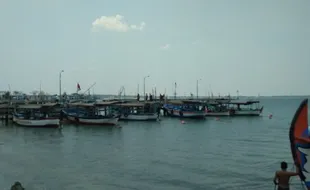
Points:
(191, 101)
(214, 103)
(106, 103)
(132, 104)
(5, 106)
(185, 102)
(177, 102)
(137, 104)
(50, 104)
(245, 102)
(30, 106)
(79, 104)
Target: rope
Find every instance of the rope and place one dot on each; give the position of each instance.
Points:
(301, 182)
(302, 185)
(293, 167)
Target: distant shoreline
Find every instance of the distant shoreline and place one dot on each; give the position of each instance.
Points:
(103, 96)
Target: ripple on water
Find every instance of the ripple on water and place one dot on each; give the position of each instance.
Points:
(232, 153)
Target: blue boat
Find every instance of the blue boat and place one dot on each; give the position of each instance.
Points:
(185, 109)
(91, 113)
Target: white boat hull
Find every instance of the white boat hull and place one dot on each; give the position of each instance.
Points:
(99, 121)
(142, 117)
(226, 113)
(48, 122)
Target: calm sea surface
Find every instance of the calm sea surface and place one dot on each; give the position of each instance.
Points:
(230, 153)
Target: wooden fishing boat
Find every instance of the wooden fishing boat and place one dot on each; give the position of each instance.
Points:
(185, 109)
(217, 109)
(35, 115)
(246, 108)
(91, 113)
(139, 111)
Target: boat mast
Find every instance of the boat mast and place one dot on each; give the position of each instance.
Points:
(120, 92)
(210, 93)
(197, 88)
(40, 93)
(175, 90)
(88, 90)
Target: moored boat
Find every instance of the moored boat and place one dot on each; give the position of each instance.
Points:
(246, 108)
(35, 115)
(139, 111)
(185, 109)
(217, 109)
(91, 113)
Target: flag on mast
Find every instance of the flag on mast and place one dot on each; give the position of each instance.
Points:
(78, 88)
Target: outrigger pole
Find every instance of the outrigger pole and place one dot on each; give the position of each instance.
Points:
(89, 88)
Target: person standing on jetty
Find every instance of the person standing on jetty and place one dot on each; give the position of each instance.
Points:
(146, 97)
(138, 97)
(282, 177)
(151, 97)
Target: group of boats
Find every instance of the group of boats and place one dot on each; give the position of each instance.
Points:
(220, 107)
(113, 111)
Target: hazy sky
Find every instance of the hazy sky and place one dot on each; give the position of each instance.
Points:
(256, 47)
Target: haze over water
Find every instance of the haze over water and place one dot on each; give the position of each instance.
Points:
(250, 46)
(232, 153)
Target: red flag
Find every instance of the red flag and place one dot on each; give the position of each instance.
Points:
(78, 87)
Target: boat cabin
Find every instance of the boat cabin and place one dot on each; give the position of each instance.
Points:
(216, 107)
(107, 107)
(245, 105)
(139, 107)
(185, 105)
(93, 109)
(36, 111)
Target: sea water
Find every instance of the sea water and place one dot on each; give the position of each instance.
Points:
(226, 153)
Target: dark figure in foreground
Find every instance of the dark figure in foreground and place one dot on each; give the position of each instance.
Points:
(17, 186)
(282, 177)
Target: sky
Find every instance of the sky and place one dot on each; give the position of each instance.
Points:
(255, 47)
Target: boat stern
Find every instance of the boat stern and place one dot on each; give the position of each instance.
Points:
(261, 109)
